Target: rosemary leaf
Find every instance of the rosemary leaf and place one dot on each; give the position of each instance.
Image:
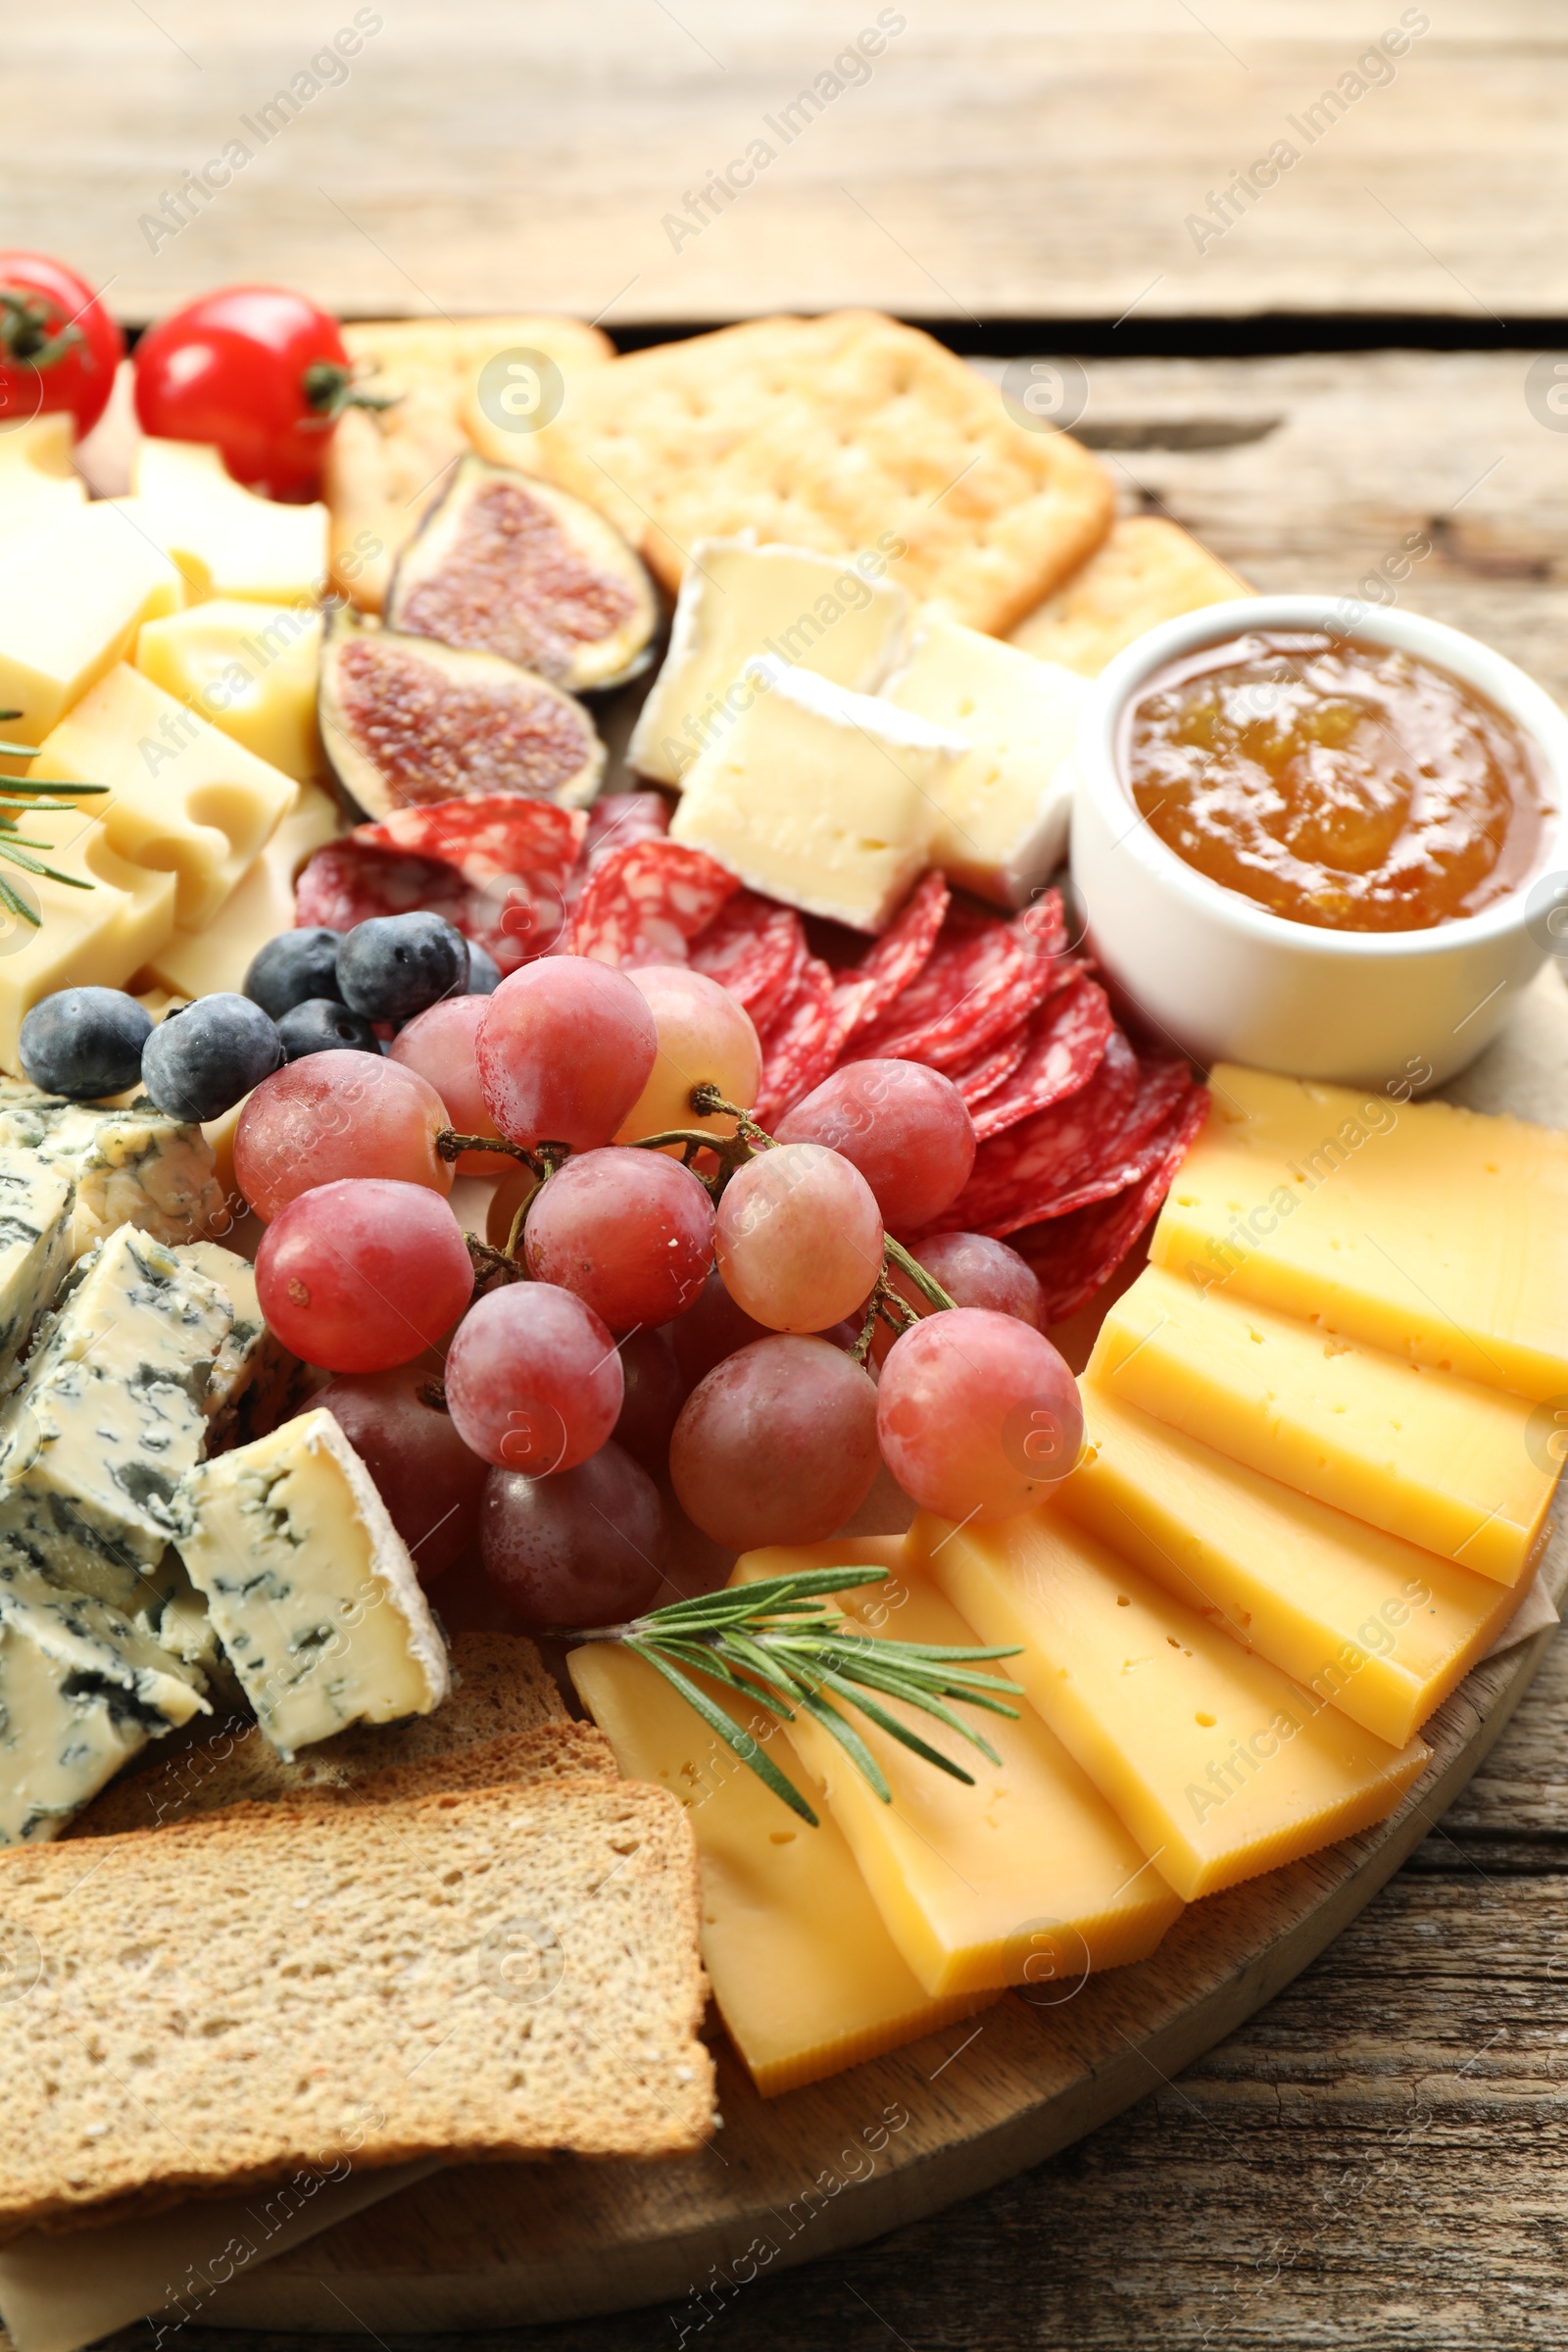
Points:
(748, 1749)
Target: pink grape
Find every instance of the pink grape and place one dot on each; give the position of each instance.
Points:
(337, 1115)
(977, 1414)
(777, 1445)
(904, 1127)
(800, 1238)
(425, 1475)
(564, 1051)
(974, 1271)
(655, 1394)
(439, 1045)
(533, 1381)
(715, 1328)
(630, 1232)
(704, 1037)
(584, 1548)
(362, 1274)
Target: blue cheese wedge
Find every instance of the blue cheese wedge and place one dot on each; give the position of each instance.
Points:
(310, 1587)
(110, 1413)
(36, 1202)
(82, 1691)
(131, 1166)
(255, 1377)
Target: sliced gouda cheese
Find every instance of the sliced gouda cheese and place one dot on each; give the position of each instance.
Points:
(1379, 1629)
(85, 938)
(75, 589)
(197, 962)
(1024, 1873)
(183, 797)
(1219, 1765)
(252, 669)
(1451, 1466)
(807, 1978)
(1436, 1233)
(226, 540)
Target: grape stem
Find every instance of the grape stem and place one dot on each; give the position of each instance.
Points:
(452, 1145)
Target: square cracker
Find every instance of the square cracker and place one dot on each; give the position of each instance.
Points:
(1147, 570)
(385, 468)
(829, 433)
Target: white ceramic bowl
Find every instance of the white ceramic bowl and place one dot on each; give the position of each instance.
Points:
(1229, 981)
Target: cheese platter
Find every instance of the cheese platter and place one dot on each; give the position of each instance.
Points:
(731, 1231)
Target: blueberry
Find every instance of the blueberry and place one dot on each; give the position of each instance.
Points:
(394, 965)
(292, 968)
(84, 1042)
(321, 1025)
(484, 973)
(202, 1057)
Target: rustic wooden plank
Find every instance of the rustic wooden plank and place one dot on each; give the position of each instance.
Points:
(1023, 159)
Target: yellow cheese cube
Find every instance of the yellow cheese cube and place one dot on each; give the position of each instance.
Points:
(1379, 1629)
(226, 540)
(75, 589)
(1002, 828)
(85, 938)
(195, 962)
(807, 1978)
(1454, 1467)
(1436, 1233)
(37, 480)
(252, 669)
(1028, 1871)
(1219, 1765)
(183, 797)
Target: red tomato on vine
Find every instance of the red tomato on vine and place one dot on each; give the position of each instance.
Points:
(59, 347)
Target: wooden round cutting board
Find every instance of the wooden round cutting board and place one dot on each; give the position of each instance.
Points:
(786, 2181)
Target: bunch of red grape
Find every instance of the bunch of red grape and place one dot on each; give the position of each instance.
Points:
(666, 1297)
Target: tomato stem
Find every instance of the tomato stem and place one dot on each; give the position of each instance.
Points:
(29, 334)
(328, 389)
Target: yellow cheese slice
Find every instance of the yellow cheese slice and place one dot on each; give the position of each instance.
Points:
(226, 540)
(83, 938)
(1451, 1466)
(1025, 1874)
(75, 589)
(1436, 1233)
(196, 963)
(37, 480)
(1219, 1765)
(1377, 1627)
(183, 797)
(252, 669)
(807, 1978)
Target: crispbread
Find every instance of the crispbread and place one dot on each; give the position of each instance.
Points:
(1147, 570)
(383, 467)
(498, 1974)
(839, 434)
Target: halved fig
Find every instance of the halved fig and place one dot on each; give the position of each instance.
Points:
(407, 722)
(507, 564)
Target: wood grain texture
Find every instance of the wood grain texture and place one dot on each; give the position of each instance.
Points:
(1023, 157)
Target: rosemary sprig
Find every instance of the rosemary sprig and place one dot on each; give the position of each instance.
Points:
(779, 1646)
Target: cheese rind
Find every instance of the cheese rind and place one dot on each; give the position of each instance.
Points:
(251, 670)
(1219, 1765)
(1420, 1453)
(199, 963)
(982, 1885)
(738, 601)
(1379, 1629)
(1436, 1233)
(807, 1978)
(130, 1166)
(36, 1202)
(310, 1588)
(1006, 805)
(826, 799)
(226, 540)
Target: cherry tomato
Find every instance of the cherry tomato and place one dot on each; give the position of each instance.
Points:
(260, 372)
(59, 347)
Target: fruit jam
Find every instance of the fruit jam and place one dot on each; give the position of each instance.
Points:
(1336, 783)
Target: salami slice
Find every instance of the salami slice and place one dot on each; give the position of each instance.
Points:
(754, 948)
(1066, 1043)
(1074, 1255)
(645, 899)
(797, 1047)
(1017, 1175)
(982, 978)
(619, 818)
(514, 859)
(863, 993)
(978, 1080)
(349, 881)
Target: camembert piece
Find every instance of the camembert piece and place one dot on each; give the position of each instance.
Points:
(183, 798)
(841, 620)
(129, 1167)
(81, 1689)
(1438, 1234)
(254, 1375)
(1003, 830)
(251, 670)
(1024, 1871)
(36, 1202)
(109, 1415)
(95, 937)
(807, 1978)
(1451, 1466)
(826, 799)
(197, 962)
(226, 540)
(310, 1587)
(1219, 1765)
(75, 589)
(1379, 1629)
